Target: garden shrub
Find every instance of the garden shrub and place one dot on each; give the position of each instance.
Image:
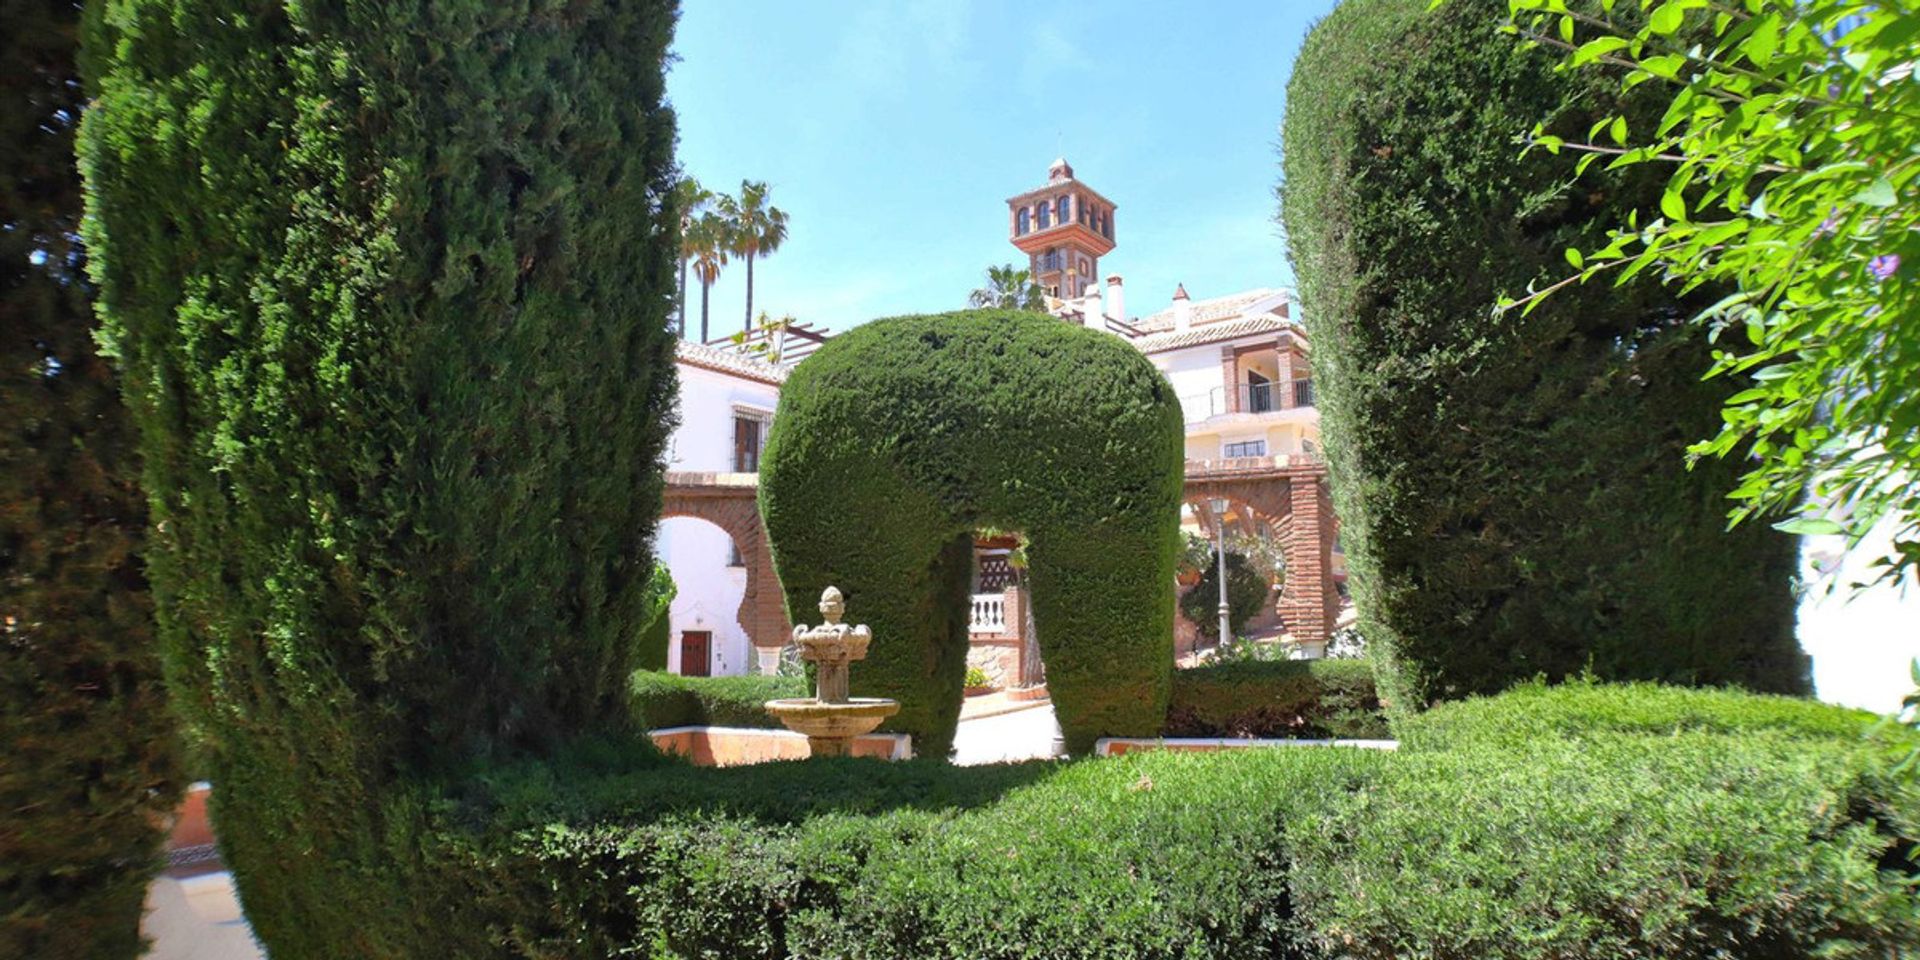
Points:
(656, 638)
(1584, 708)
(663, 699)
(1276, 698)
(1512, 487)
(389, 286)
(88, 768)
(1247, 592)
(1696, 843)
(900, 438)
(1618, 845)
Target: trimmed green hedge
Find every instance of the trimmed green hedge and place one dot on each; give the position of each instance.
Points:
(1512, 487)
(88, 765)
(1582, 708)
(1628, 840)
(663, 699)
(390, 286)
(1309, 699)
(900, 438)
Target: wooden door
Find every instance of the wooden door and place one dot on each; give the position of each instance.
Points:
(696, 653)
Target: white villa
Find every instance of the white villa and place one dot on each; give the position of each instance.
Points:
(1238, 364)
(726, 402)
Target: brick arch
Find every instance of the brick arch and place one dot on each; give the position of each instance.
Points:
(730, 501)
(1290, 496)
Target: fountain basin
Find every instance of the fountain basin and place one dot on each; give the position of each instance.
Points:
(832, 721)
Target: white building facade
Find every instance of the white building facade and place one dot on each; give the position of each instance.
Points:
(725, 405)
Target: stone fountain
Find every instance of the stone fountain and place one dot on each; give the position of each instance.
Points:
(830, 718)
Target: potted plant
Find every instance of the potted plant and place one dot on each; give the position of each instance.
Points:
(978, 682)
(1195, 554)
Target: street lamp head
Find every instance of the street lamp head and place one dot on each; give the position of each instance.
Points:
(1219, 505)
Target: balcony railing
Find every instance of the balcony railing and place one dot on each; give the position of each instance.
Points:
(989, 613)
(1249, 398)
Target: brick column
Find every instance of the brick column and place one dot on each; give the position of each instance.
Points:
(1015, 614)
(1230, 374)
(1282, 375)
(1310, 602)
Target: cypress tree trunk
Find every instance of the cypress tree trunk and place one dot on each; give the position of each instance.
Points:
(88, 770)
(394, 325)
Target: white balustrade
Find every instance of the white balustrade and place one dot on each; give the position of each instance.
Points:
(989, 613)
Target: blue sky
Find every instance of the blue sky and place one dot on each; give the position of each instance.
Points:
(893, 133)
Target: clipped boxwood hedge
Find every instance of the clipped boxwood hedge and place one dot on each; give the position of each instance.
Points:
(1730, 838)
(1583, 707)
(899, 439)
(663, 699)
(1281, 698)
(1513, 487)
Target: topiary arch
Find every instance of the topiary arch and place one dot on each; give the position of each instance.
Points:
(899, 439)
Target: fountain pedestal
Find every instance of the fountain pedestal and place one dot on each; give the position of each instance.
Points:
(830, 718)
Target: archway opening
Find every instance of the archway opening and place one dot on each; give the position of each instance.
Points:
(710, 576)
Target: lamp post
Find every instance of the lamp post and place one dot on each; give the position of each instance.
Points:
(1219, 506)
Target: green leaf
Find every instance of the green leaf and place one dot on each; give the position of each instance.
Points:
(1667, 18)
(1618, 130)
(1666, 66)
(1574, 257)
(1595, 49)
(1809, 526)
(1879, 193)
(1763, 41)
(1674, 206)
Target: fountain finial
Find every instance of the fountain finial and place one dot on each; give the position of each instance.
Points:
(832, 606)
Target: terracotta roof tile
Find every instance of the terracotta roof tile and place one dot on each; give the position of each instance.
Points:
(1210, 310)
(1208, 333)
(729, 362)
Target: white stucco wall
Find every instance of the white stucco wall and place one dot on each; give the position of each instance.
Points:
(1195, 375)
(697, 551)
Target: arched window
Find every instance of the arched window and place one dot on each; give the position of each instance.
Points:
(1023, 223)
(1061, 211)
(1106, 224)
(1044, 210)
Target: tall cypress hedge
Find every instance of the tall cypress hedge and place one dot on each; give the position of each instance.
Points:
(1512, 489)
(899, 439)
(88, 771)
(390, 286)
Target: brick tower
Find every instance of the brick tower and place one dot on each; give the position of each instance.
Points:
(1064, 228)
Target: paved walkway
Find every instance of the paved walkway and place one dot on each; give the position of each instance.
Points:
(1007, 737)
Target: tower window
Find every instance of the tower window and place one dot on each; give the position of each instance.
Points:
(1024, 221)
(1043, 211)
(1061, 211)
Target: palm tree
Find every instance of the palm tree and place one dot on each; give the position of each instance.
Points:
(712, 238)
(692, 200)
(1008, 289)
(758, 229)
